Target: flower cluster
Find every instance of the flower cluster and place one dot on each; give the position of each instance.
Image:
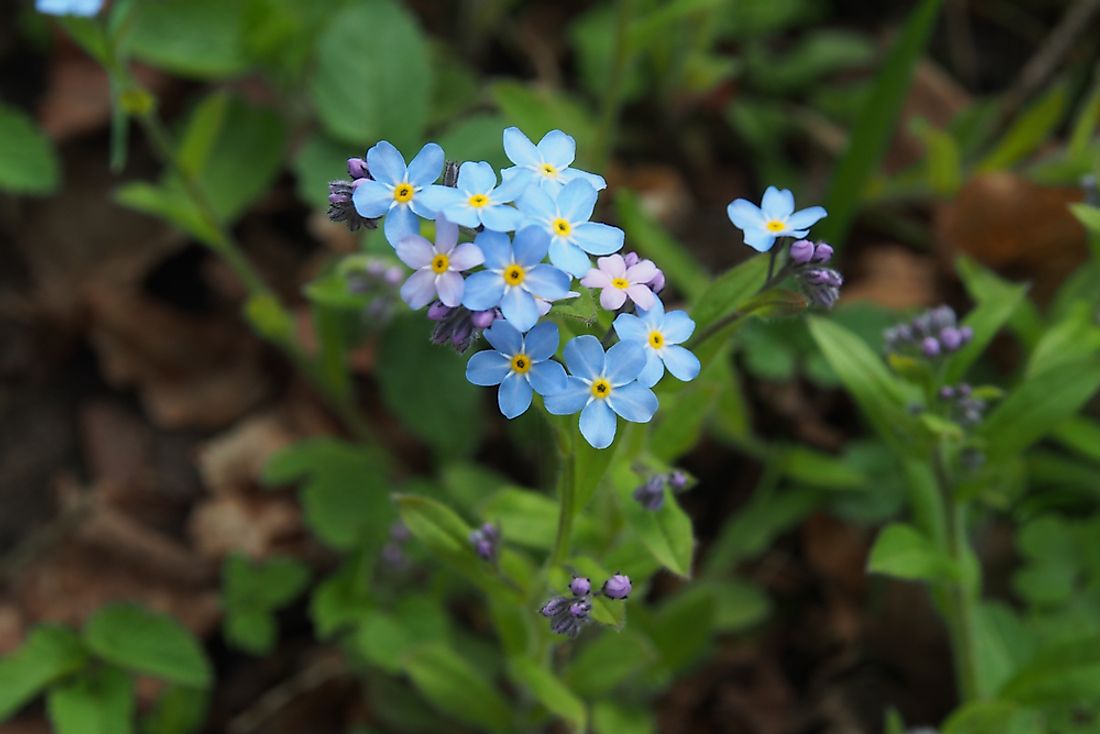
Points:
(933, 333)
(650, 494)
(963, 404)
(569, 614)
(486, 541)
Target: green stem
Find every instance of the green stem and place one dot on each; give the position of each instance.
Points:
(612, 97)
(567, 497)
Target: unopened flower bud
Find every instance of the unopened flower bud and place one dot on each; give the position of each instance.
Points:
(802, 252)
(651, 494)
(930, 346)
(580, 609)
(462, 335)
(657, 284)
(966, 333)
(617, 587)
(399, 533)
(483, 319)
(951, 338)
(450, 173)
(942, 317)
(437, 311)
(357, 168)
(580, 586)
(630, 258)
(947, 393)
(822, 253)
(555, 606)
(678, 480)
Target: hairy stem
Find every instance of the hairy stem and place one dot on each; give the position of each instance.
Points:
(567, 496)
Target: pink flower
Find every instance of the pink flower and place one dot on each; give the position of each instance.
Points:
(438, 267)
(617, 281)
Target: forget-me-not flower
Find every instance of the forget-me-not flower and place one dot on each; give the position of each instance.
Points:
(775, 217)
(660, 334)
(519, 364)
(396, 190)
(565, 219)
(546, 165)
(602, 386)
(86, 8)
(617, 281)
(477, 200)
(438, 267)
(514, 275)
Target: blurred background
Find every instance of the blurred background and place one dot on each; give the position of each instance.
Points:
(137, 408)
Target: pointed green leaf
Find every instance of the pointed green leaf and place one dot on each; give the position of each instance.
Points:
(550, 692)
(148, 642)
(457, 688)
(49, 653)
(99, 701)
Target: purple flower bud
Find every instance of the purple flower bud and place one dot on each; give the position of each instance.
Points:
(338, 198)
(437, 311)
(580, 586)
(490, 531)
(941, 317)
(566, 625)
(930, 346)
(966, 333)
(802, 252)
(947, 393)
(658, 283)
(462, 335)
(393, 275)
(450, 174)
(651, 495)
(964, 390)
(678, 480)
(631, 259)
(357, 168)
(342, 209)
(951, 338)
(483, 319)
(905, 333)
(617, 587)
(485, 543)
(393, 556)
(399, 533)
(580, 609)
(557, 605)
(822, 253)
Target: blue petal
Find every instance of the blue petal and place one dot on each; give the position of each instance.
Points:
(537, 204)
(476, 177)
(598, 424)
(630, 328)
(504, 338)
(745, 215)
(512, 187)
(806, 218)
(681, 363)
(547, 377)
(653, 316)
(677, 328)
(569, 258)
(633, 402)
(569, 400)
(400, 222)
(572, 174)
(426, 166)
(598, 239)
(585, 357)
(514, 396)
(542, 341)
(530, 245)
(488, 368)
(372, 199)
(484, 289)
(499, 218)
(777, 203)
(519, 148)
(576, 201)
(518, 306)
(625, 361)
(546, 281)
(497, 249)
(386, 164)
(435, 198)
(654, 369)
(759, 240)
(461, 213)
(558, 149)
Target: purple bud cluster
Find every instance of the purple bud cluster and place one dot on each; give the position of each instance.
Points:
(820, 284)
(486, 542)
(655, 284)
(963, 406)
(568, 614)
(934, 333)
(459, 326)
(651, 493)
(340, 205)
(393, 553)
(379, 279)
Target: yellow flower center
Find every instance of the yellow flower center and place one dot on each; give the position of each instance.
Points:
(440, 263)
(548, 170)
(402, 192)
(656, 339)
(478, 200)
(775, 225)
(514, 274)
(601, 388)
(620, 283)
(521, 364)
(561, 227)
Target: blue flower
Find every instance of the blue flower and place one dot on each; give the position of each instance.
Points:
(519, 365)
(603, 385)
(478, 200)
(86, 8)
(513, 276)
(399, 192)
(775, 217)
(660, 333)
(565, 219)
(546, 165)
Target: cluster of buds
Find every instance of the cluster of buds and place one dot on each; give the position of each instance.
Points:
(340, 205)
(964, 406)
(569, 614)
(377, 278)
(651, 493)
(393, 553)
(459, 326)
(820, 284)
(933, 333)
(486, 541)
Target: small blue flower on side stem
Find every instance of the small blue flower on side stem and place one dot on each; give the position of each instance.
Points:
(775, 217)
(477, 200)
(514, 276)
(602, 386)
(546, 165)
(396, 190)
(565, 219)
(660, 334)
(519, 365)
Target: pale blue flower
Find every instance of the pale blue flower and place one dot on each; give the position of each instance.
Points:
(565, 219)
(660, 334)
(399, 192)
(546, 165)
(602, 386)
(514, 276)
(86, 8)
(477, 200)
(775, 217)
(519, 364)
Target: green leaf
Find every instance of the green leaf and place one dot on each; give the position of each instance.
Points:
(1067, 673)
(49, 653)
(537, 111)
(99, 701)
(666, 533)
(729, 291)
(996, 301)
(817, 54)
(250, 629)
(608, 661)
(1087, 215)
(340, 600)
(194, 38)
(456, 688)
(179, 710)
(524, 516)
(253, 591)
(202, 132)
(385, 93)
(344, 490)
(550, 692)
(385, 638)
(875, 127)
(902, 551)
(318, 161)
(1030, 130)
(1073, 338)
(651, 240)
(148, 642)
(684, 627)
(28, 163)
(611, 718)
(818, 469)
(476, 138)
(992, 717)
(738, 605)
(1082, 435)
